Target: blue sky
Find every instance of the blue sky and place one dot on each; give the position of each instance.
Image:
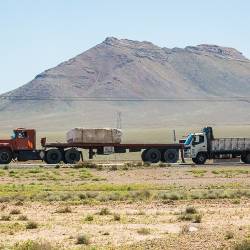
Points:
(39, 34)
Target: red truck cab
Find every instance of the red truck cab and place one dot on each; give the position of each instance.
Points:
(21, 144)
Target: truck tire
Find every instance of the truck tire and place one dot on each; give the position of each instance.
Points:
(170, 156)
(143, 155)
(243, 158)
(247, 158)
(153, 155)
(200, 159)
(72, 156)
(53, 156)
(5, 156)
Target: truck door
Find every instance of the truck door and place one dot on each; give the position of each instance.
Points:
(198, 145)
(23, 141)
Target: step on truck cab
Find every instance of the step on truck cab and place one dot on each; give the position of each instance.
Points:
(202, 146)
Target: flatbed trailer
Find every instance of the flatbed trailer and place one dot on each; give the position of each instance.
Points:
(22, 147)
(151, 152)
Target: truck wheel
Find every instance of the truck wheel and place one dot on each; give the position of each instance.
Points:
(153, 155)
(53, 156)
(200, 159)
(247, 158)
(170, 156)
(72, 156)
(5, 156)
(143, 155)
(243, 158)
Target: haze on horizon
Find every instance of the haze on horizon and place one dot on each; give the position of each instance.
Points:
(39, 35)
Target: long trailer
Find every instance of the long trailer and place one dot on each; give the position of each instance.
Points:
(22, 147)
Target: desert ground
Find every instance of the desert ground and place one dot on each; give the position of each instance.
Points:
(125, 206)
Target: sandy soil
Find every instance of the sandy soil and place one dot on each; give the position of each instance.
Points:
(224, 222)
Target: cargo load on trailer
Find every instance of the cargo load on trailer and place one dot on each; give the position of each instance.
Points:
(94, 135)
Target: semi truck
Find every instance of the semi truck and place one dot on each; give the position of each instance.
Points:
(202, 146)
(22, 147)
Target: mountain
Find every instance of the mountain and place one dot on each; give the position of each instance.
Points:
(199, 84)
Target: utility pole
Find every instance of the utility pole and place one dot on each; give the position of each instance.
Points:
(119, 120)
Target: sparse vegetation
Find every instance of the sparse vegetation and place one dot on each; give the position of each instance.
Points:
(143, 231)
(5, 218)
(82, 240)
(15, 211)
(89, 217)
(104, 211)
(117, 217)
(64, 210)
(33, 245)
(23, 218)
(31, 225)
(244, 245)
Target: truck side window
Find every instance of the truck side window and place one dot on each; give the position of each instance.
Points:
(201, 139)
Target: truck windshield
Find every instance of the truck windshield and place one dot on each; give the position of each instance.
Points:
(189, 139)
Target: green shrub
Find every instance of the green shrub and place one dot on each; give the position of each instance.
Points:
(5, 218)
(15, 211)
(82, 240)
(143, 231)
(31, 225)
(191, 210)
(117, 217)
(64, 210)
(23, 217)
(89, 217)
(104, 211)
(244, 245)
(229, 235)
(33, 245)
(197, 218)
(114, 168)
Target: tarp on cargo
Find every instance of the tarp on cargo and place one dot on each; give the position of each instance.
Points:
(94, 135)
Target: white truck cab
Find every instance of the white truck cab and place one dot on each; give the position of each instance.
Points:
(196, 147)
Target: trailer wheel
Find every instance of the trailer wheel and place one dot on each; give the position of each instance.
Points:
(247, 158)
(53, 156)
(143, 157)
(170, 156)
(200, 159)
(5, 156)
(152, 155)
(243, 158)
(72, 156)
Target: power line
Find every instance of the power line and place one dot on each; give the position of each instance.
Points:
(120, 99)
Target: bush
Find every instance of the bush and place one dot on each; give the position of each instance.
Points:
(15, 211)
(104, 211)
(63, 210)
(57, 166)
(191, 210)
(33, 245)
(31, 225)
(229, 235)
(197, 218)
(143, 231)
(114, 168)
(5, 218)
(244, 245)
(82, 196)
(23, 217)
(82, 240)
(117, 217)
(89, 218)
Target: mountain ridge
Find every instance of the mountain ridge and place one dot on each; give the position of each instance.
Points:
(127, 69)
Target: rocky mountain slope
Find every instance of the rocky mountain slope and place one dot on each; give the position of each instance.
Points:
(135, 72)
